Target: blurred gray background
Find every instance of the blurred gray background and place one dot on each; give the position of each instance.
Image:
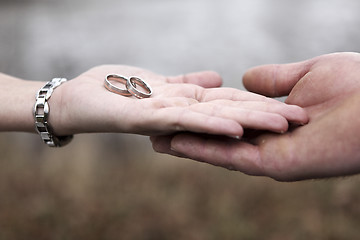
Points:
(41, 39)
(112, 186)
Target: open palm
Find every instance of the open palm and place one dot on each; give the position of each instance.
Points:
(183, 103)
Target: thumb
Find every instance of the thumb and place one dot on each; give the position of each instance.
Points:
(206, 79)
(275, 80)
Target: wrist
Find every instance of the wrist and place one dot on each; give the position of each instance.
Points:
(17, 101)
(41, 113)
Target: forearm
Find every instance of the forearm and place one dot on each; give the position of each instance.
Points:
(17, 98)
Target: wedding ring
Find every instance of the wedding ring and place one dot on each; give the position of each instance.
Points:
(131, 84)
(112, 88)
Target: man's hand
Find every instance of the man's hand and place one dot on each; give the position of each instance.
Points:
(328, 87)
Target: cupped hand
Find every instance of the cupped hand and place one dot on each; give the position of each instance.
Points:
(189, 102)
(328, 87)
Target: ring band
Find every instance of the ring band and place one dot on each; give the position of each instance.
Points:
(131, 87)
(112, 88)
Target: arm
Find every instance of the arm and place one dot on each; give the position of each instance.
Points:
(179, 103)
(17, 98)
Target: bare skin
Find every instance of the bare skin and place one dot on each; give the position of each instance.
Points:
(328, 88)
(183, 103)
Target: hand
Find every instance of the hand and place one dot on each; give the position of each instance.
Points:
(328, 87)
(182, 103)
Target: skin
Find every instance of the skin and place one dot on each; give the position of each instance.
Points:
(328, 88)
(182, 103)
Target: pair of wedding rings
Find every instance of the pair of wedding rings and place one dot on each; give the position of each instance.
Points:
(131, 86)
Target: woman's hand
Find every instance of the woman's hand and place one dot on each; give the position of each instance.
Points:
(184, 103)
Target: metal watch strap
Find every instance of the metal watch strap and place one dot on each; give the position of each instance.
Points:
(41, 115)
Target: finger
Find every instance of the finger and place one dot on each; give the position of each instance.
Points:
(266, 158)
(152, 117)
(248, 118)
(206, 79)
(292, 113)
(232, 94)
(158, 120)
(228, 153)
(162, 144)
(183, 119)
(275, 80)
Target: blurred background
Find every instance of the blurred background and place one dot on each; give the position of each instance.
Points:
(113, 186)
